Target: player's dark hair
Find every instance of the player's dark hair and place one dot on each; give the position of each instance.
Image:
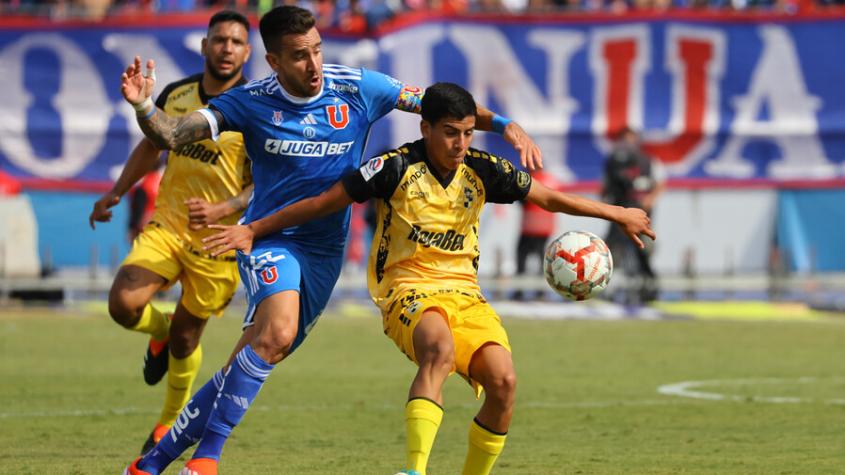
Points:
(284, 20)
(446, 100)
(228, 15)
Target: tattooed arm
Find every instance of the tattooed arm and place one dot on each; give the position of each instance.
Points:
(164, 131)
(171, 132)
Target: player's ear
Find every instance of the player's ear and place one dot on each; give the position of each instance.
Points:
(272, 61)
(248, 52)
(203, 45)
(425, 129)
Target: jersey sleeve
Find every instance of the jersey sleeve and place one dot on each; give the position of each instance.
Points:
(161, 100)
(380, 93)
(503, 182)
(377, 178)
(231, 105)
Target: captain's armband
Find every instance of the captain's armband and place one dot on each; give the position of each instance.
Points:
(410, 99)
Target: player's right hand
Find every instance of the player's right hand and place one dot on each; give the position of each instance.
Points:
(135, 85)
(238, 237)
(102, 209)
(634, 222)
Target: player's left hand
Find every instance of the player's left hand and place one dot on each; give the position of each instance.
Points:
(230, 237)
(634, 222)
(530, 155)
(201, 213)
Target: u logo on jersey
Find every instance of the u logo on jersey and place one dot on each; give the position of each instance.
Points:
(338, 115)
(269, 275)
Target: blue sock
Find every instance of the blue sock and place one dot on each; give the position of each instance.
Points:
(243, 381)
(187, 429)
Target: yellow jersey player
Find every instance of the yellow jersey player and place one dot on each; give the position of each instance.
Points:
(422, 271)
(203, 182)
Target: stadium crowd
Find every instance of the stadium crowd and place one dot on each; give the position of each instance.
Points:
(359, 16)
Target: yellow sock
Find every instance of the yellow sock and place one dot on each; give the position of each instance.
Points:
(153, 323)
(422, 419)
(484, 449)
(180, 378)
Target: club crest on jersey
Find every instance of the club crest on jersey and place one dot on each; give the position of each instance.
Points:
(309, 132)
(277, 117)
(338, 115)
(269, 275)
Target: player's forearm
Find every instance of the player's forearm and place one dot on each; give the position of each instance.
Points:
(143, 159)
(168, 133)
(293, 215)
(241, 200)
(330, 201)
(579, 206)
(237, 203)
(489, 121)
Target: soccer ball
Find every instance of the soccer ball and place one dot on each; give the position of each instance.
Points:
(578, 265)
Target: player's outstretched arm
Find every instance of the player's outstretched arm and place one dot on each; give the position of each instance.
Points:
(633, 221)
(201, 213)
(164, 131)
(143, 159)
(241, 237)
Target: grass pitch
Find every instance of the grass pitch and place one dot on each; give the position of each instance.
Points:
(72, 400)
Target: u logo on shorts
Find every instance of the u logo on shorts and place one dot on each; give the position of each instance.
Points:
(269, 275)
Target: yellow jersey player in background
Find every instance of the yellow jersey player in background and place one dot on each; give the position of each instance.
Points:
(203, 182)
(422, 271)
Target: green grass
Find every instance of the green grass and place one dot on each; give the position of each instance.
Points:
(72, 400)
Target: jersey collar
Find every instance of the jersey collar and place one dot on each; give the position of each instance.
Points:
(299, 100)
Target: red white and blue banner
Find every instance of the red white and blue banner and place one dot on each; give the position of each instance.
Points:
(720, 99)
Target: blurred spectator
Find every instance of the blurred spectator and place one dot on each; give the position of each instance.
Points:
(142, 199)
(9, 185)
(538, 225)
(632, 179)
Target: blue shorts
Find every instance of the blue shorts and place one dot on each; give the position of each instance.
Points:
(277, 267)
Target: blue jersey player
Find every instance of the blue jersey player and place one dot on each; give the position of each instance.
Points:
(304, 127)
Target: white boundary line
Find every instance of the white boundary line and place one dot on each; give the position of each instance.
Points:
(132, 411)
(689, 389)
(685, 389)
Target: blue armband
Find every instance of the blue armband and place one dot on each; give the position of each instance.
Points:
(151, 113)
(499, 124)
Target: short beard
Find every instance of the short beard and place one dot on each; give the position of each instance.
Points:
(220, 76)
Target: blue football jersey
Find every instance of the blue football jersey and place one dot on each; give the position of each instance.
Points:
(299, 147)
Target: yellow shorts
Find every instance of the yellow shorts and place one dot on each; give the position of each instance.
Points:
(472, 320)
(207, 283)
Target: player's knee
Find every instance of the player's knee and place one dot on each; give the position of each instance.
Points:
(182, 345)
(121, 310)
(275, 343)
(502, 389)
(440, 354)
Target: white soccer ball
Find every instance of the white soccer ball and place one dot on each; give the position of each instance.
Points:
(578, 265)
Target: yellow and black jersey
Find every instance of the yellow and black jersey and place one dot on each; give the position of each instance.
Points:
(215, 171)
(427, 233)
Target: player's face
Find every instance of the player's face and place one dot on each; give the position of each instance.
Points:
(299, 63)
(226, 49)
(447, 141)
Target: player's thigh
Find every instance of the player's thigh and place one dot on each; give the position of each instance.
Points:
(492, 366)
(276, 324)
(152, 264)
(207, 284)
(404, 316)
(133, 287)
(432, 338)
(475, 326)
